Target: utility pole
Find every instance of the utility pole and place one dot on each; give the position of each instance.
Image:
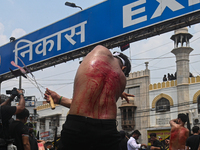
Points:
(20, 82)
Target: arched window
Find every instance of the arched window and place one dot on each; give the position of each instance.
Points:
(198, 104)
(130, 114)
(124, 114)
(162, 105)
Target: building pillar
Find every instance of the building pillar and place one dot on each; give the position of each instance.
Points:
(182, 67)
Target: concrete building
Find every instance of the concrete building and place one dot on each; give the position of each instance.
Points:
(156, 104)
(49, 119)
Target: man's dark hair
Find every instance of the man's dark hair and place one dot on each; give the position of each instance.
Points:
(153, 134)
(23, 114)
(127, 63)
(183, 117)
(136, 132)
(30, 125)
(195, 129)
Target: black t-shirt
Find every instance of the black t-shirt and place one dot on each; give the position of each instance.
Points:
(6, 113)
(33, 142)
(123, 144)
(17, 130)
(156, 143)
(193, 142)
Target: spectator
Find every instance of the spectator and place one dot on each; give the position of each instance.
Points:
(132, 142)
(165, 78)
(169, 77)
(191, 75)
(20, 132)
(155, 144)
(7, 112)
(175, 75)
(32, 138)
(192, 142)
(172, 77)
(124, 140)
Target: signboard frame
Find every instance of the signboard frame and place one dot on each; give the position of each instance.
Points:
(115, 41)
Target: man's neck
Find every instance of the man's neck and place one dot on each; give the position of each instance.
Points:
(196, 134)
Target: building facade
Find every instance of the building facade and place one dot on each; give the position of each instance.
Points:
(48, 120)
(156, 104)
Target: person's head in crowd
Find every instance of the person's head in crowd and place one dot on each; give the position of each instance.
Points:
(136, 134)
(195, 129)
(30, 126)
(23, 116)
(125, 62)
(122, 134)
(153, 136)
(182, 118)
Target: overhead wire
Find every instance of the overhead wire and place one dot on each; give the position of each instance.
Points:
(151, 59)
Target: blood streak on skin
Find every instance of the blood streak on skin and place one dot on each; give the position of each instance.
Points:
(104, 80)
(174, 134)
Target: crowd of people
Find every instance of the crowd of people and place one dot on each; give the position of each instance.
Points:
(16, 134)
(170, 77)
(91, 123)
(179, 138)
(100, 81)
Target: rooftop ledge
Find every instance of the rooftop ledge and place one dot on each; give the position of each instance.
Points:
(172, 83)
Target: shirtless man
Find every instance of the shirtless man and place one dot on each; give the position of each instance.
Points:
(179, 133)
(99, 82)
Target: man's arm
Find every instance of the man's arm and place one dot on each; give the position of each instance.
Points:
(155, 148)
(126, 95)
(57, 98)
(20, 107)
(26, 144)
(186, 147)
(173, 123)
(134, 145)
(199, 147)
(187, 144)
(8, 101)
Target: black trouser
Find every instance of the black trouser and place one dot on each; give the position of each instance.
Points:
(83, 133)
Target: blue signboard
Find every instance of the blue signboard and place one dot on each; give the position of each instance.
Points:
(104, 21)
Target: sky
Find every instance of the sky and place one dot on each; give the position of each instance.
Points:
(18, 18)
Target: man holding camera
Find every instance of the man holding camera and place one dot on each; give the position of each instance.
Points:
(6, 113)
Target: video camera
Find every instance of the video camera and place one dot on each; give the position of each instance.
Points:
(13, 92)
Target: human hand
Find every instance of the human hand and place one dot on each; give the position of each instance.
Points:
(152, 148)
(53, 94)
(144, 145)
(167, 141)
(20, 91)
(125, 96)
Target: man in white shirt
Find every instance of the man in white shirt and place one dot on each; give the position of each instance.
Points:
(132, 144)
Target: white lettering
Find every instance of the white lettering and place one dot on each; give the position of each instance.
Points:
(23, 53)
(193, 2)
(45, 42)
(172, 4)
(128, 13)
(81, 32)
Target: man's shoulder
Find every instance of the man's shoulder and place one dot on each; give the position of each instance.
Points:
(130, 139)
(157, 141)
(7, 108)
(193, 137)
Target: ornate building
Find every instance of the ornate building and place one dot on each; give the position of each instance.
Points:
(156, 104)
